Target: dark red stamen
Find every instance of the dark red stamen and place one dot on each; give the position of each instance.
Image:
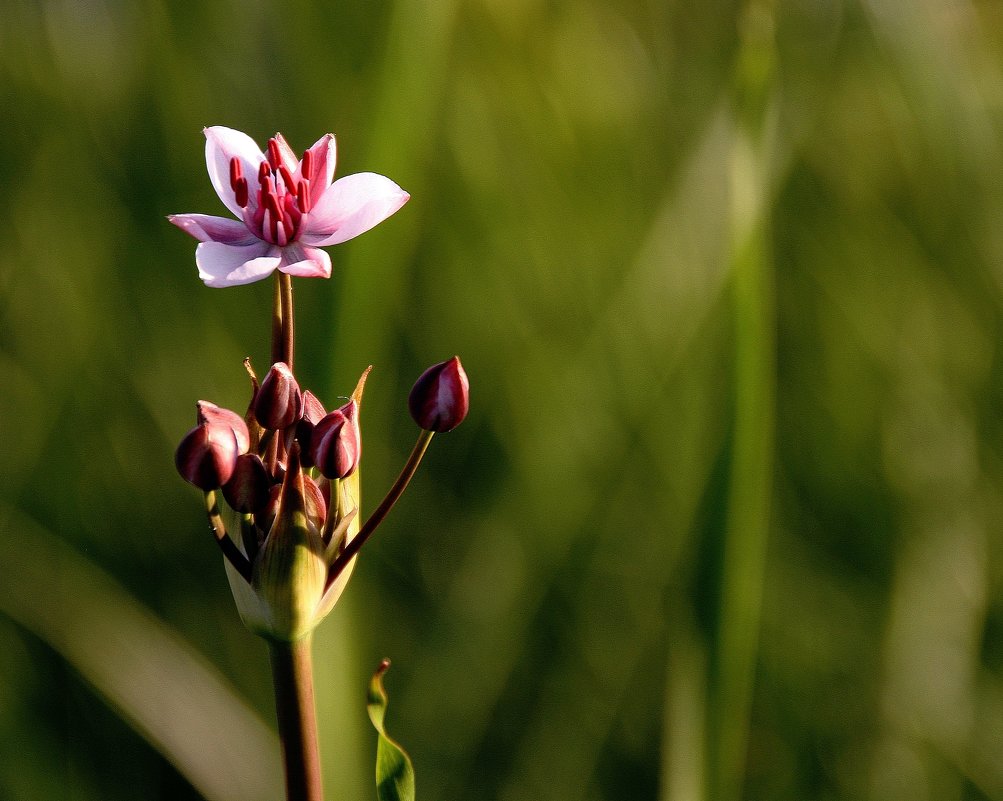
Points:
(240, 190)
(274, 154)
(236, 172)
(272, 204)
(292, 216)
(303, 195)
(283, 196)
(307, 169)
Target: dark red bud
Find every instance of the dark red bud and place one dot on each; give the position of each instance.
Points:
(313, 413)
(313, 409)
(248, 487)
(279, 402)
(336, 442)
(207, 456)
(217, 417)
(440, 397)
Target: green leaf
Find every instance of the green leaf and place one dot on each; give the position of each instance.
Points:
(394, 773)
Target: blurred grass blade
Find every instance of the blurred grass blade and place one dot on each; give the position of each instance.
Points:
(394, 772)
(750, 483)
(157, 682)
(415, 76)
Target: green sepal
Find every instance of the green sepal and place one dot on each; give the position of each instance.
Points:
(394, 772)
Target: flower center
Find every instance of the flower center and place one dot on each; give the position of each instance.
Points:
(282, 198)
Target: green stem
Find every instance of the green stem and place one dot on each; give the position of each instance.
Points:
(292, 673)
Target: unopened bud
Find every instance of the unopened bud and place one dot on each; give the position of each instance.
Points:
(337, 442)
(218, 417)
(279, 402)
(440, 397)
(313, 409)
(207, 456)
(313, 413)
(248, 487)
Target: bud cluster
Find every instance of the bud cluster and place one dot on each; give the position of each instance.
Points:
(246, 458)
(289, 469)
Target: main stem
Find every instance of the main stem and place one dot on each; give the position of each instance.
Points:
(283, 339)
(292, 665)
(283, 330)
(292, 672)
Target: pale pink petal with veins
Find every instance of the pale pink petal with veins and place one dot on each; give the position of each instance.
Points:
(206, 228)
(318, 166)
(222, 145)
(305, 262)
(232, 265)
(351, 206)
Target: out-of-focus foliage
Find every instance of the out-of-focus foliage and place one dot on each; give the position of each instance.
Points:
(728, 282)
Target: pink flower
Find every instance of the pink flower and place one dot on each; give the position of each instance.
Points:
(287, 209)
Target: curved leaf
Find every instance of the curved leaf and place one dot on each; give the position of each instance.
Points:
(394, 772)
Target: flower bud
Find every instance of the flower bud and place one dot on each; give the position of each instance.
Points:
(207, 456)
(279, 402)
(248, 487)
(440, 397)
(217, 416)
(313, 413)
(337, 443)
(313, 409)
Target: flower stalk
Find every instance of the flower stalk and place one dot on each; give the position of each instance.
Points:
(292, 676)
(230, 550)
(283, 343)
(289, 469)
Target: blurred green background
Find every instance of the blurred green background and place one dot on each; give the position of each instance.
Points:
(727, 279)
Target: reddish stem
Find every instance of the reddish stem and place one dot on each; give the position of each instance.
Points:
(292, 674)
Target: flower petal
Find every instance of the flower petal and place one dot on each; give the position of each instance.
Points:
(206, 228)
(231, 265)
(305, 262)
(323, 155)
(351, 206)
(223, 144)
